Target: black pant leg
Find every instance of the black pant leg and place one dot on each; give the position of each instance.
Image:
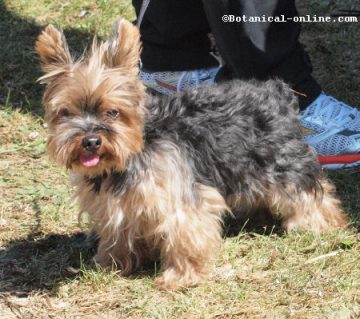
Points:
(262, 49)
(175, 36)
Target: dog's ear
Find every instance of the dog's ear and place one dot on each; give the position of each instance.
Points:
(53, 51)
(123, 47)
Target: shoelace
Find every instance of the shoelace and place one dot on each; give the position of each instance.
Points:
(331, 111)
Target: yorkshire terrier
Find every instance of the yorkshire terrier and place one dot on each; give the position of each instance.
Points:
(158, 174)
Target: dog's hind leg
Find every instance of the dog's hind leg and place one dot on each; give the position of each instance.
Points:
(297, 209)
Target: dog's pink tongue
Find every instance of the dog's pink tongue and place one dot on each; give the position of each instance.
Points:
(90, 161)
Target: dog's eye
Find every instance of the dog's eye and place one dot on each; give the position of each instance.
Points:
(64, 113)
(113, 113)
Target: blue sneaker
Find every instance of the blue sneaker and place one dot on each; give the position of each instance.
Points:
(333, 129)
(170, 83)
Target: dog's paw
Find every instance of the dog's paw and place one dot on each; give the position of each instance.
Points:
(173, 280)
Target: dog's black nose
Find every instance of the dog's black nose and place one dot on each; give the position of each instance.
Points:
(91, 142)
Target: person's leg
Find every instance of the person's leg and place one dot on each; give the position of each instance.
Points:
(174, 34)
(250, 50)
(262, 49)
(175, 38)
(176, 46)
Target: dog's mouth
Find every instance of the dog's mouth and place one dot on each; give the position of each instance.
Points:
(89, 161)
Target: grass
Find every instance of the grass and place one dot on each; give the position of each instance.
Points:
(45, 260)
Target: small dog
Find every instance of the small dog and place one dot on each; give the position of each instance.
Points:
(157, 175)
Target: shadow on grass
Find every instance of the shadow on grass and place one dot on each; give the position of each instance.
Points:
(19, 65)
(37, 263)
(257, 222)
(347, 183)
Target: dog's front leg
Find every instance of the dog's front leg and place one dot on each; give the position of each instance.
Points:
(190, 237)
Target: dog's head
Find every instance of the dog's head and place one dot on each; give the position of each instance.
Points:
(93, 106)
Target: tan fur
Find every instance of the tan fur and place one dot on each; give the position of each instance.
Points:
(158, 216)
(53, 51)
(128, 56)
(112, 85)
(301, 210)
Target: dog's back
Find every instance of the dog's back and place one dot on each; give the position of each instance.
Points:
(236, 134)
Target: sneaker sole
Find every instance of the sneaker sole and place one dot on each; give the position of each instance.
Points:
(340, 161)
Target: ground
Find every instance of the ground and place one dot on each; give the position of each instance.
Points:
(45, 261)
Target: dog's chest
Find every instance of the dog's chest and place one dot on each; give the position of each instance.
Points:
(132, 208)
